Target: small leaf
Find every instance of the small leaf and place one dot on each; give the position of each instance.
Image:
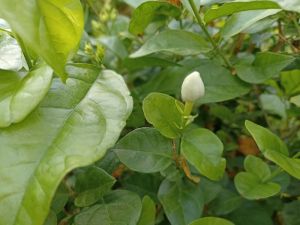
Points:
(145, 13)
(163, 112)
(254, 184)
(265, 66)
(203, 149)
(211, 221)
(273, 105)
(19, 95)
(182, 201)
(290, 80)
(234, 7)
(117, 207)
(295, 100)
(145, 150)
(177, 42)
(91, 185)
(148, 213)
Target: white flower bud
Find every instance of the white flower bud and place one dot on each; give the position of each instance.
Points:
(192, 87)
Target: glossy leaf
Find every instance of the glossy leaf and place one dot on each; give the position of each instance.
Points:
(115, 208)
(73, 127)
(20, 94)
(254, 183)
(145, 13)
(265, 66)
(211, 221)
(91, 185)
(51, 28)
(148, 213)
(178, 42)
(241, 21)
(10, 54)
(182, 201)
(145, 150)
(274, 149)
(234, 7)
(203, 149)
(164, 113)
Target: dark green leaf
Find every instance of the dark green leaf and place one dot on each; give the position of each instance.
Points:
(211, 221)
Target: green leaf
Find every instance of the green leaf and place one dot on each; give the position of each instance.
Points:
(265, 66)
(164, 113)
(51, 28)
(134, 3)
(211, 221)
(20, 94)
(274, 149)
(290, 213)
(145, 150)
(147, 12)
(290, 80)
(10, 53)
(91, 185)
(289, 5)
(203, 149)
(241, 21)
(220, 85)
(295, 100)
(273, 105)
(182, 201)
(234, 7)
(148, 213)
(115, 208)
(73, 127)
(254, 184)
(177, 42)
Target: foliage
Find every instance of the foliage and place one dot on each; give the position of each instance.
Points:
(94, 127)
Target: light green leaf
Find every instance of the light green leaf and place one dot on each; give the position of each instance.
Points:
(134, 3)
(163, 112)
(290, 5)
(147, 12)
(177, 42)
(51, 28)
(254, 184)
(148, 213)
(290, 80)
(115, 208)
(145, 150)
(10, 53)
(265, 66)
(73, 127)
(241, 21)
(274, 149)
(234, 7)
(182, 201)
(203, 149)
(211, 221)
(20, 94)
(91, 185)
(273, 105)
(295, 100)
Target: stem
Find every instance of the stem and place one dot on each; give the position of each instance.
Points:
(296, 155)
(187, 171)
(296, 24)
(202, 25)
(188, 107)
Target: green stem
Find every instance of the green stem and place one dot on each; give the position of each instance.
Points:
(296, 24)
(274, 174)
(296, 155)
(188, 107)
(202, 25)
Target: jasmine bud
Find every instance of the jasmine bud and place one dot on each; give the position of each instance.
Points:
(192, 87)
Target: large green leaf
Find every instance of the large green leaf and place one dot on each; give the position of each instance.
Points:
(211, 221)
(274, 149)
(219, 83)
(254, 183)
(265, 66)
(177, 42)
(241, 21)
(145, 150)
(164, 113)
(234, 7)
(203, 149)
(182, 201)
(20, 94)
(119, 207)
(10, 53)
(51, 28)
(74, 126)
(147, 12)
